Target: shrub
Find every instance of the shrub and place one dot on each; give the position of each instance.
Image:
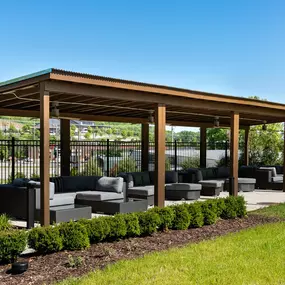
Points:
(197, 217)
(182, 217)
(241, 206)
(209, 210)
(12, 244)
(230, 210)
(220, 206)
(125, 165)
(74, 236)
(190, 162)
(92, 168)
(149, 222)
(45, 239)
(166, 215)
(167, 164)
(118, 227)
(97, 228)
(132, 224)
(4, 223)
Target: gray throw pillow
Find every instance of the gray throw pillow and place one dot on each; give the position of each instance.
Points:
(110, 184)
(20, 182)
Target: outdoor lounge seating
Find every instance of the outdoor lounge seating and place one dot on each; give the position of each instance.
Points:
(140, 185)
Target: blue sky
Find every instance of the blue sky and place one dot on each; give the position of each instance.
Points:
(229, 47)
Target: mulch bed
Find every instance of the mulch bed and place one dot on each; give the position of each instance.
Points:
(50, 268)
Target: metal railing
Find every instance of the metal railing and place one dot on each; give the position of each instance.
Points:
(21, 158)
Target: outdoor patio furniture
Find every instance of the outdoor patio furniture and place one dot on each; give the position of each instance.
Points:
(244, 184)
(65, 213)
(179, 191)
(112, 207)
(211, 187)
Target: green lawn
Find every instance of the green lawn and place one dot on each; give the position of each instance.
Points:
(254, 256)
(272, 211)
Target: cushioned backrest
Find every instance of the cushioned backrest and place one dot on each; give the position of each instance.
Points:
(223, 172)
(79, 183)
(37, 185)
(141, 178)
(171, 177)
(247, 171)
(58, 185)
(128, 178)
(194, 175)
(209, 173)
(110, 184)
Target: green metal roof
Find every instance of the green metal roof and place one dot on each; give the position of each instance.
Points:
(35, 74)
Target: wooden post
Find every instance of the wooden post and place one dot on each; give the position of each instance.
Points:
(234, 151)
(44, 155)
(159, 191)
(145, 147)
(246, 145)
(203, 147)
(65, 147)
(284, 158)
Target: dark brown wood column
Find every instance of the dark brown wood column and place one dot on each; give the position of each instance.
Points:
(44, 155)
(246, 146)
(203, 146)
(65, 147)
(159, 191)
(234, 150)
(145, 146)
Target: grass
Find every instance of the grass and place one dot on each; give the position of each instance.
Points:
(254, 256)
(272, 211)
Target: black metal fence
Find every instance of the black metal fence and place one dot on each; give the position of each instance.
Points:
(21, 158)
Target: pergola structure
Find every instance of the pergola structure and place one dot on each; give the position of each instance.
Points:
(95, 98)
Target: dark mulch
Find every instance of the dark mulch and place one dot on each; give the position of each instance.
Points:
(51, 268)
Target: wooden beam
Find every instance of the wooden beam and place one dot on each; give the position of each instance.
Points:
(159, 188)
(145, 146)
(65, 147)
(246, 146)
(203, 147)
(44, 156)
(137, 96)
(234, 151)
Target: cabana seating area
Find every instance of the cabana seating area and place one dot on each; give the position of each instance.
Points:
(69, 95)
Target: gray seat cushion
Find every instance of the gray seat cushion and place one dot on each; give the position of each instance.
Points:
(277, 178)
(273, 170)
(212, 183)
(183, 187)
(142, 190)
(244, 180)
(99, 195)
(58, 200)
(110, 184)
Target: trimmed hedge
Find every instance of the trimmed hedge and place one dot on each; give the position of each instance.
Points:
(78, 235)
(12, 244)
(45, 239)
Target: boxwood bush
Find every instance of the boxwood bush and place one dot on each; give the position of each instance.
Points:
(45, 239)
(149, 222)
(132, 224)
(197, 217)
(166, 215)
(182, 217)
(12, 244)
(118, 227)
(209, 211)
(74, 236)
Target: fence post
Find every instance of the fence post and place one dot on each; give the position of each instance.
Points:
(175, 155)
(226, 153)
(13, 159)
(108, 156)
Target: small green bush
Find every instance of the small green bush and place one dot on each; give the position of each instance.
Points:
(182, 217)
(97, 228)
(209, 210)
(149, 222)
(74, 236)
(133, 225)
(166, 215)
(118, 227)
(190, 162)
(197, 217)
(241, 206)
(4, 223)
(45, 239)
(230, 210)
(12, 244)
(220, 206)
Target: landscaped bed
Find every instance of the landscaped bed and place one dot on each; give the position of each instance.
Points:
(60, 265)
